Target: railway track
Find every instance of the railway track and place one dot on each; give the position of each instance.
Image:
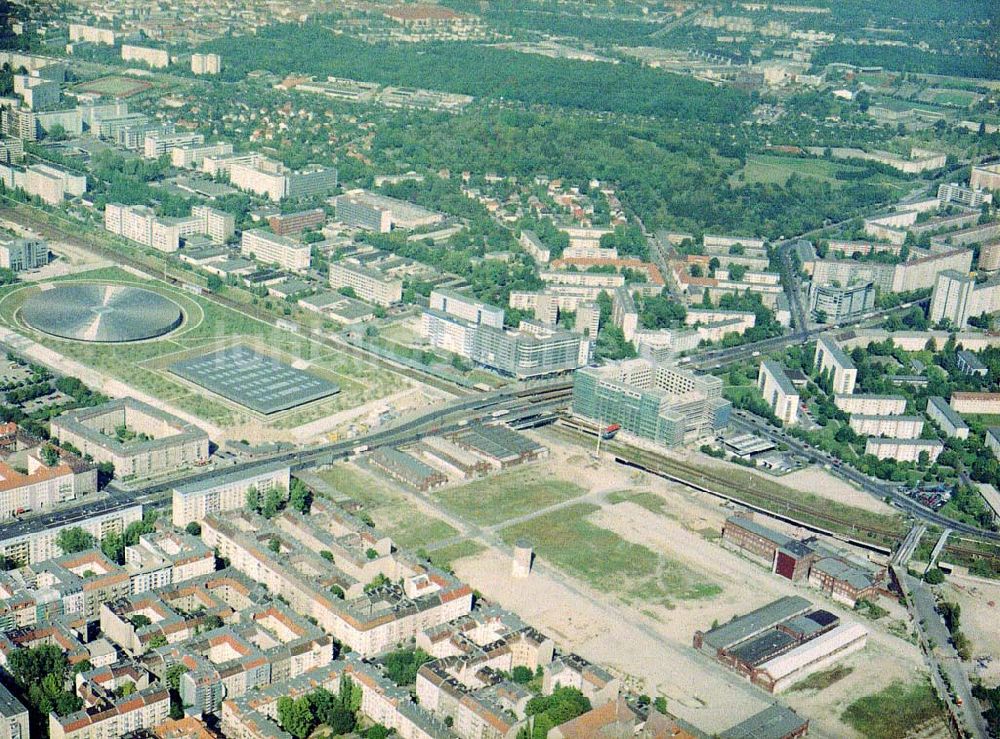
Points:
(829, 524)
(878, 538)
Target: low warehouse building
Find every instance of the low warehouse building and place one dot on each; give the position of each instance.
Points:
(780, 673)
(407, 469)
(501, 446)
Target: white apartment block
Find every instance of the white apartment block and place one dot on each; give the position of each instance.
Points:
(778, 391)
(39, 487)
(993, 440)
(954, 193)
(624, 314)
(92, 34)
(20, 255)
(958, 297)
(946, 418)
(895, 427)
(986, 177)
(469, 309)
(157, 58)
(903, 450)
(13, 717)
(534, 247)
(37, 543)
(871, 405)
(830, 357)
(585, 236)
(140, 224)
(272, 179)
(588, 319)
(206, 63)
(589, 252)
(552, 300)
(217, 225)
(51, 184)
(158, 143)
(192, 155)
(270, 248)
(749, 243)
(37, 93)
(457, 337)
(603, 281)
(225, 492)
(368, 284)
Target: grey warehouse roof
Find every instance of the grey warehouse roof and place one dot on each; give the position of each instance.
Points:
(253, 380)
(752, 623)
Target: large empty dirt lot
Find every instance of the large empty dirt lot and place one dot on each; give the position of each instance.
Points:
(586, 592)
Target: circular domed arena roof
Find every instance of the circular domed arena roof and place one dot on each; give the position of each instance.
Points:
(101, 313)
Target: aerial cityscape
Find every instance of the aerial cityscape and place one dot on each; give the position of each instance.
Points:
(499, 369)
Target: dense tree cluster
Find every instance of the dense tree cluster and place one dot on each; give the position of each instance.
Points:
(301, 716)
(39, 678)
(401, 665)
(548, 711)
(481, 71)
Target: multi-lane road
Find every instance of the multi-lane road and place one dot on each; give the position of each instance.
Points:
(516, 405)
(718, 358)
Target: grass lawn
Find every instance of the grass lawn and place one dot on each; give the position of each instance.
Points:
(822, 679)
(389, 509)
(445, 557)
(601, 558)
(650, 501)
(777, 169)
(893, 712)
(508, 495)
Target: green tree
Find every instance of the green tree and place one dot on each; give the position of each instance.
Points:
(74, 539)
(401, 665)
(113, 546)
(350, 694)
(299, 496)
(139, 528)
(173, 675)
(376, 582)
(274, 501)
(333, 711)
(296, 716)
(274, 544)
(193, 528)
(50, 455)
(156, 641)
(253, 499)
(521, 675)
